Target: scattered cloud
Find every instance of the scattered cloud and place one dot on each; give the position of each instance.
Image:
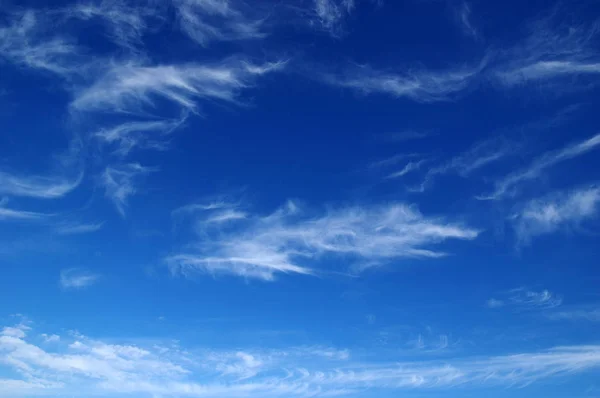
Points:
(131, 88)
(464, 18)
(417, 85)
(7, 214)
(91, 367)
(217, 20)
(407, 135)
(576, 314)
(50, 338)
(288, 240)
(557, 211)
(125, 24)
(553, 50)
(523, 299)
(507, 186)
(139, 134)
(409, 167)
(78, 228)
(119, 183)
(77, 278)
(42, 187)
(29, 41)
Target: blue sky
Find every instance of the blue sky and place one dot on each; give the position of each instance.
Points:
(219, 198)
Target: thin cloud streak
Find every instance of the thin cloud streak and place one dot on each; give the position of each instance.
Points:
(418, 85)
(287, 241)
(557, 211)
(77, 278)
(78, 228)
(42, 187)
(119, 183)
(130, 88)
(93, 367)
(507, 186)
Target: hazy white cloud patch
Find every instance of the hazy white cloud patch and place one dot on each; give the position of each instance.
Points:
(82, 365)
(131, 88)
(125, 23)
(73, 228)
(289, 240)
(565, 210)
(119, 183)
(554, 49)
(125, 137)
(508, 185)
(205, 21)
(35, 186)
(417, 85)
(523, 299)
(464, 16)
(28, 40)
(590, 314)
(77, 278)
(7, 214)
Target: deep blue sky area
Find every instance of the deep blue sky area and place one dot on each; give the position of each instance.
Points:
(300, 198)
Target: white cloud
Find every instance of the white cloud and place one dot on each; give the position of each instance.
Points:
(119, 183)
(43, 187)
(288, 241)
(219, 20)
(576, 314)
(554, 49)
(94, 367)
(124, 23)
(523, 299)
(50, 338)
(78, 228)
(139, 134)
(417, 85)
(409, 167)
(464, 17)
(508, 185)
(7, 214)
(131, 88)
(494, 303)
(77, 278)
(29, 41)
(563, 210)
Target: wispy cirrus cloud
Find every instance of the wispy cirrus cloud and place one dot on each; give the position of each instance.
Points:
(507, 186)
(92, 366)
(556, 211)
(28, 41)
(417, 85)
(36, 186)
(77, 278)
(125, 23)
(119, 183)
(131, 88)
(128, 136)
(219, 20)
(463, 15)
(523, 299)
(77, 228)
(588, 313)
(554, 49)
(287, 241)
(7, 214)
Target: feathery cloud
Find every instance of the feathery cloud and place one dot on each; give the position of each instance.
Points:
(577, 314)
(77, 278)
(523, 299)
(42, 187)
(562, 210)
(28, 41)
(125, 24)
(464, 18)
(554, 49)
(219, 20)
(417, 85)
(119, 183)
(508, 185)
(139, 134)
(78, 228)
(131, 88)
(91, 367)
(7, 214)
(287, 241)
